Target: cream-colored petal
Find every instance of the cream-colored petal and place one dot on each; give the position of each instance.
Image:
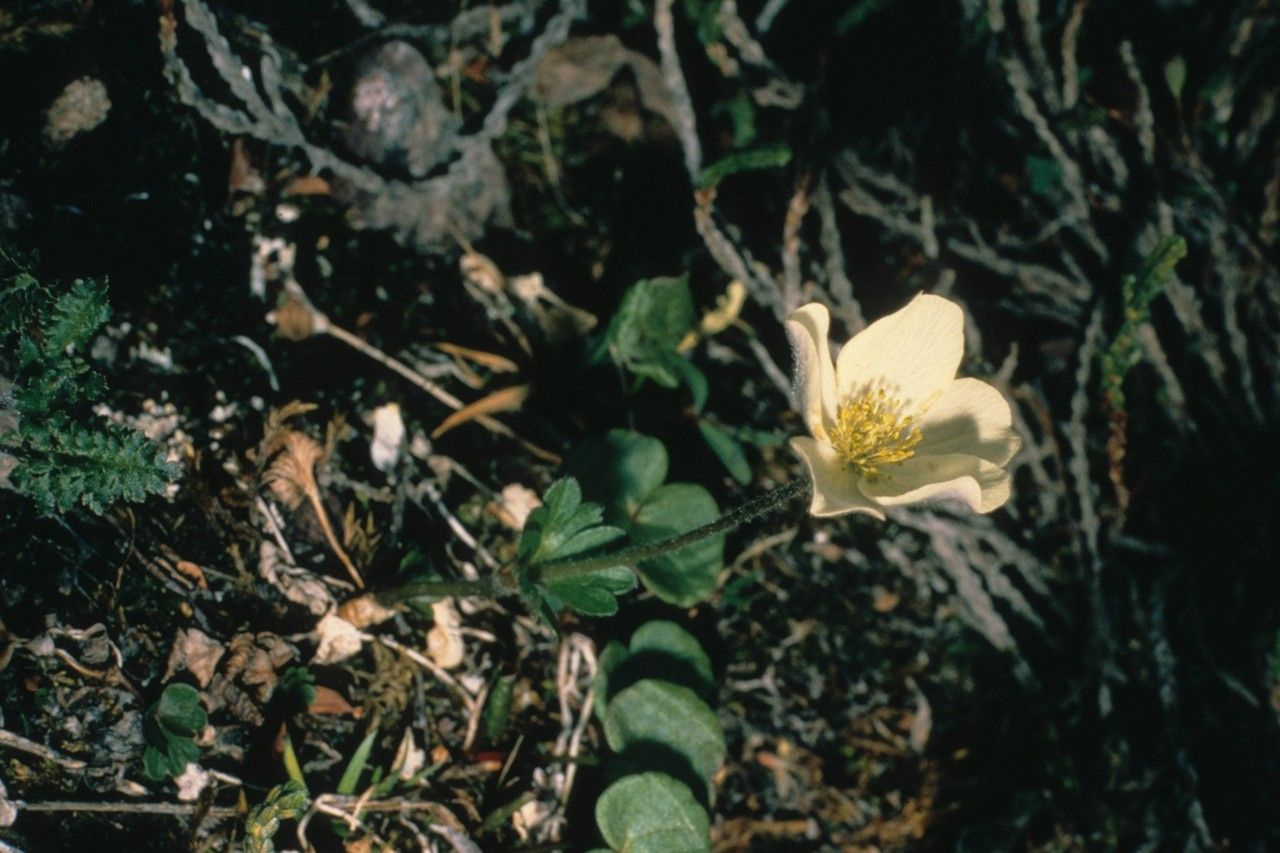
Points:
(942, 478)
(815, 377)
(912, 353)
(835, 489)
(970, 417)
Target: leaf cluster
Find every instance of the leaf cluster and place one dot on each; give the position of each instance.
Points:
(1138, 292)
(626, 472)
(285, 801)
(64, 456)
(169, 728)
(666, 739)
(645, 333)
(645, 338)
(564, 526)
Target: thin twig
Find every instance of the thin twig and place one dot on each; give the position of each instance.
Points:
(9, 740)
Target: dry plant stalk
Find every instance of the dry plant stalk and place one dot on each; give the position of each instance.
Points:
(291, 476)
(297, 320)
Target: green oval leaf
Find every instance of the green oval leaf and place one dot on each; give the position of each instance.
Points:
(659, 649)
(688, 576)
(179, 710)
(619, 470)
(657, 724)
(652, 813)
(654, 315)
(664, 639)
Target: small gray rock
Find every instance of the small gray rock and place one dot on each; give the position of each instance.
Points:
(397, 118)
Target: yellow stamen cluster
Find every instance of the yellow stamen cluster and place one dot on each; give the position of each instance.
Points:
(871, 432)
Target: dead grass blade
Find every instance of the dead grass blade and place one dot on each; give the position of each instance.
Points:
(504, 400)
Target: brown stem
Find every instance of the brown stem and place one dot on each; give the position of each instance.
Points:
(313, 495)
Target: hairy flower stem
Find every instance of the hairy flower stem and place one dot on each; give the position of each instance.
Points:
(503, 583)
(752, 509)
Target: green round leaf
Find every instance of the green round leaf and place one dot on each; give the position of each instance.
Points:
(155, 763)
(688, 576)
(659, 649)
(613, 656)
(619, 470)
(649, 324)
(652, 813)
(658, 724)
(661, 639)
(179, 710)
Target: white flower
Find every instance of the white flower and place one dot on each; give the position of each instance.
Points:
(891, 423)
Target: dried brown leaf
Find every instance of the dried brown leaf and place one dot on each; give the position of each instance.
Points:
(192, 572)
(578, 69)
(242, 176)
(513, 506)
(336, 640)
(296, 584)
(482, 272)
(291, 477)
(329, 702)
(504, 400)
(291, 474)
(197, 653)
(444, 640)
(247, 675)
(308, 185)
(364, 610)
(494, 362)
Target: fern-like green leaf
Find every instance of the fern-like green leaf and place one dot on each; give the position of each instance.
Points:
(65, 456)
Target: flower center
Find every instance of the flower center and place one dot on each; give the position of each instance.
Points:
(871, 432)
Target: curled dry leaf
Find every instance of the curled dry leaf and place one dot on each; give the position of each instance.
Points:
(364, 610)
(197, 653)
(529, 816)
(295, 584)
(444, 640)
(242, 176)
(513, 506)
(388, 437)
(409, 758)
(254, 659)
(8, 811)
(248, 673)
(482, 272)
(558, 319)
(81, 107)
(192, 782)
(291, 477)
(291, 474)
(336, 640)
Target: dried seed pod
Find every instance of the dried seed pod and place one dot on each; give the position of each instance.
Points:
(295, 319)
